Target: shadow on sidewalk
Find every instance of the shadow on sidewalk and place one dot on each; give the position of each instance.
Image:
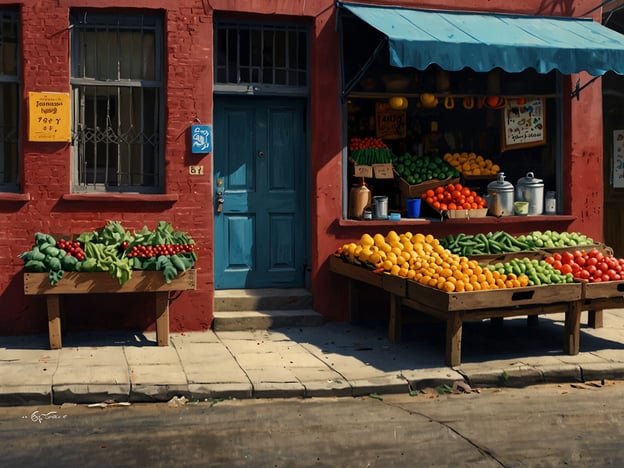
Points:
(78, 339)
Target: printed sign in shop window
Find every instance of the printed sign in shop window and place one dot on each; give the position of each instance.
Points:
(618, 159)
(524, 123)
(391, 124)
(49, 117)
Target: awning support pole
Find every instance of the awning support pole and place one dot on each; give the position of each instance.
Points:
(577, 91)
(358, 76)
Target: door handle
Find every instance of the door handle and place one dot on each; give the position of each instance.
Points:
(220, 201)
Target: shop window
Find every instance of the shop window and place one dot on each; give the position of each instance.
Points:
(9, 105)
(117, 94)
(422, 115)
(260, 58)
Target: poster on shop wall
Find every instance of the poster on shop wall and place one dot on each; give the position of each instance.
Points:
(48, 117)
(618, 159)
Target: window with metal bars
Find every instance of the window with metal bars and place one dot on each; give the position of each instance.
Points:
(117, 86)
(261, 58)
(9, 100)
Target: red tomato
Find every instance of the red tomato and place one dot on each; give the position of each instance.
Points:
(592, 261)
(577, 253)
(605, 277)
(557, 265)
(580, 260)
(584, 274)
(549, 260)
(602, 266)
(557, 256)
(566, 268)
(567, 257)
(591, 269)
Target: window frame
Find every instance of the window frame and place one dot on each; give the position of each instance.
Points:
(113, 22)
(258, 88)
(14, 186)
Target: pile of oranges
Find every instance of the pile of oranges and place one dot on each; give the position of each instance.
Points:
(421, 258)
(453, 197)
(471, 164)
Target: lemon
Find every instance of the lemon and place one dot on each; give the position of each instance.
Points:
(366, 239)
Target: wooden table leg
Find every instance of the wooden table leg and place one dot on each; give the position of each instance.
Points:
(54, 320)
(453, 338)
(594, 318)
(162, 318)
(396, 319)
(572, 329)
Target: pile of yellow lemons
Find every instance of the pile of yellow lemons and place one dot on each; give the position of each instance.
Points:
(471, 164)
(421, 258)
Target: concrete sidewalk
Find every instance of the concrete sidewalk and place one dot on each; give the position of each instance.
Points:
(335, 359)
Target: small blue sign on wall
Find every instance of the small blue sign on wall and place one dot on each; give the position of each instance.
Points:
(201, 136)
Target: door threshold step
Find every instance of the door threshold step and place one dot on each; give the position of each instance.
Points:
(262, 299)
(265, 319)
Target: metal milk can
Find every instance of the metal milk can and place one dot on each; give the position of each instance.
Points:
(531, 190)
(500, 197)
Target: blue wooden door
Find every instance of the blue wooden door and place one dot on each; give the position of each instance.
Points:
(260, 237)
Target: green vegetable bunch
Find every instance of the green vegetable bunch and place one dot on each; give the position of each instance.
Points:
(539, 272)
(46, 257)
(163, 249)
(502, 242)
(553, 239)
(418, 169)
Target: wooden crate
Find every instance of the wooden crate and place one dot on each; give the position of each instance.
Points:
(603, 289)
(416, 190)
(102, 282)
(493, 298)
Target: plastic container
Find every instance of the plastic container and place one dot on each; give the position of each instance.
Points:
(413, 207)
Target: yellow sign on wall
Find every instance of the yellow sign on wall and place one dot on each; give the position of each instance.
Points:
(49, 117)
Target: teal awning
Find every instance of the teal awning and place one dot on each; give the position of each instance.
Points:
(454, 40)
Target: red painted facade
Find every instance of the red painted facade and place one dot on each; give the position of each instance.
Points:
(46, 204)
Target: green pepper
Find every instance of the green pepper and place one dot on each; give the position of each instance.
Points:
(36, 266)
(88, 265)
(68, 262)
(52, 263)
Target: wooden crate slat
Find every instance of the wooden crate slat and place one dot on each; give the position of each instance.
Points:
(505, 297)
(394, 284)
(603, 289)
(356, 272)
(102, 282)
